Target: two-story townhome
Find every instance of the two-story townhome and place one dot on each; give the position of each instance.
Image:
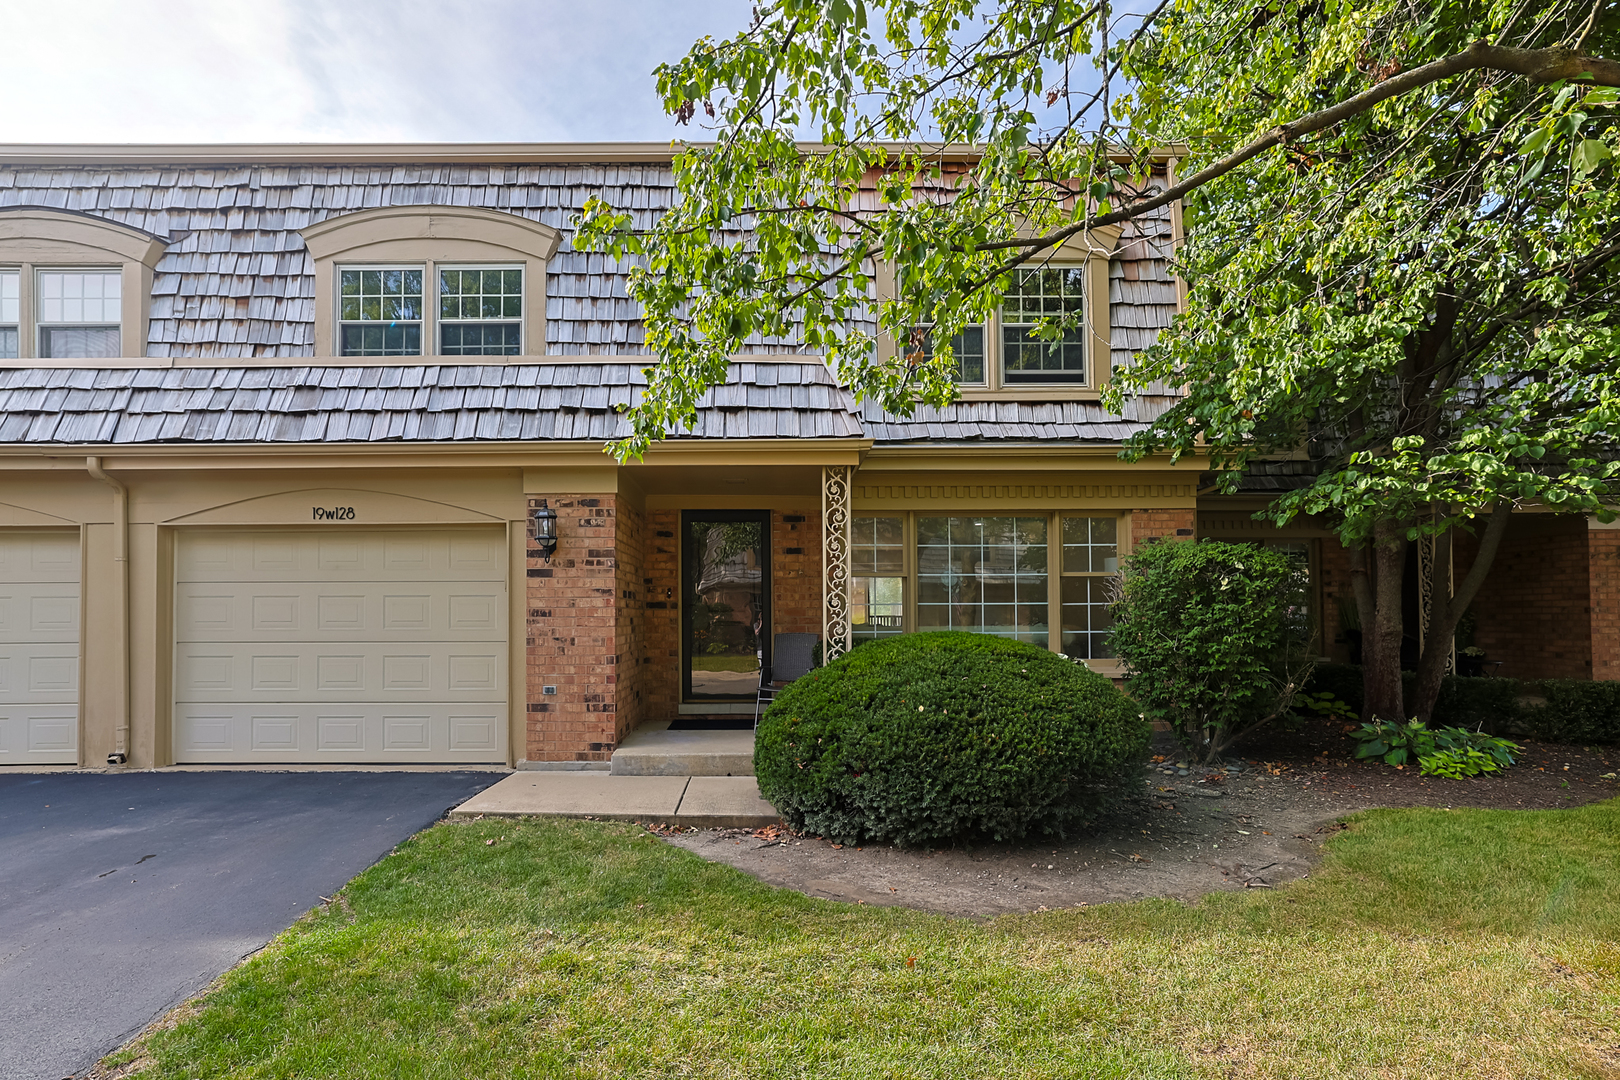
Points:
(284, 430)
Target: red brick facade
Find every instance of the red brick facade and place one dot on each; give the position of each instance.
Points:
(1534, 611)
(604, 619)
(1603, 578)
(573, 634)
(1163, 524)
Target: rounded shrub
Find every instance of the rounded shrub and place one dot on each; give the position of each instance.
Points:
(936, 737)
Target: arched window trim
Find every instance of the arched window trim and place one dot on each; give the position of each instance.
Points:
(428, 236)
(34, 238)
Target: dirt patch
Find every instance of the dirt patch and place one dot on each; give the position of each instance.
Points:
(1255, 824)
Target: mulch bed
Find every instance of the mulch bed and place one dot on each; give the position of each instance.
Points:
(1192, 831)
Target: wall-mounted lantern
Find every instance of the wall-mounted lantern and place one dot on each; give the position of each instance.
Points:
(544, 520)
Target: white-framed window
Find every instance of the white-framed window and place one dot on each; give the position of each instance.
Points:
(380, 310)
(1090, 557)
(10, 314)
(1048, 293)
(967, 353)
(79, 312)
(480, 310)
(1006, 351)
(1003, 573)
(877, 581)
(465, 308)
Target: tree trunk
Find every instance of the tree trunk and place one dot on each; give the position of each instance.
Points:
(1445, 611)
(1381, 638)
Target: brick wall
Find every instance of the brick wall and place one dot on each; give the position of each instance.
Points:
(572, 640)
(631, 630)
(1163, 524)
(1334, 590)
(1603, 576)
(796, 572)
(1534, 611)
(661, 640)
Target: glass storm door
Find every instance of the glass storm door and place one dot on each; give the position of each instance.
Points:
(725, 613)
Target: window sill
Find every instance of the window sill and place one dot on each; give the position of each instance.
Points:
(1049, 392)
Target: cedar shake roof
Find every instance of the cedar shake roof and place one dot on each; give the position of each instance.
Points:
(237, 282)
(416, 403)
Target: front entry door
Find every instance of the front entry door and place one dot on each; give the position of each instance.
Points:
(726, 608)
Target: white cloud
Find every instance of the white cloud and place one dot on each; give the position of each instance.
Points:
(356, 70)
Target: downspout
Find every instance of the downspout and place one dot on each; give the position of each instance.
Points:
(120, 754)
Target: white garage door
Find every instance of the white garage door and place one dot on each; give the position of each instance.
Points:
(39, 648)
(341, 645)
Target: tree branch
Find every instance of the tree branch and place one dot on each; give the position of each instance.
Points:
(1537, 65)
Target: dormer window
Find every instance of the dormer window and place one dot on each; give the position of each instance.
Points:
(10, 313)
(380, 311)
(481, 311)
(79, 313)
(1036, 295)
(430, 281)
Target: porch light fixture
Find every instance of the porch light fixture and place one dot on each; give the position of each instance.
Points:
(545, 529)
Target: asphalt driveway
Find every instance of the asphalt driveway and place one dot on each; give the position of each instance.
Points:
(122, 894)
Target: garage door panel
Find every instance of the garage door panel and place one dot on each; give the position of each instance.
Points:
(40, 556)
(39, 734)
(343, 553)
(39, 611)
(359, 732)
(44, 673)
(313, 611)
(348, 671)
(341, 645)
(39, 647)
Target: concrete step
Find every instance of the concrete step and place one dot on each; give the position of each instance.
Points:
(653, 750)
(704, 802)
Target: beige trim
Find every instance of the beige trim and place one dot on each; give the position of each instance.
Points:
(514, 153)
(1033, 457)
(371, 508)
(1178, 234)
(37, 238)
(430, 235)
(577, 453)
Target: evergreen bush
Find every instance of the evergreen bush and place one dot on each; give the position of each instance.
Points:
(1212, 635)
(939, 737)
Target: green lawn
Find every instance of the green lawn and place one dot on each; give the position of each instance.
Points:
(1430, 944)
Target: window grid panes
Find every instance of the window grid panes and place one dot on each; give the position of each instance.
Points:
(481, 311)
(877, 577)
(967, 353)
(380, 311)
(79, 313)
(1090, 559)
(983, 574)
(1038, 295)
(10, 313)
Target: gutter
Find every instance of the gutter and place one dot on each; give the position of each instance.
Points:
(120, 754)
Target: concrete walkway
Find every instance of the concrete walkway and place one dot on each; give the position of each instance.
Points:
(704, 802)
(653, 750)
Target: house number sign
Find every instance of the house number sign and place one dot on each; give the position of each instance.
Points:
(332, 513)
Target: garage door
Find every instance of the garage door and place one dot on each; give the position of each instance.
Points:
(39, 648)
(342, 645)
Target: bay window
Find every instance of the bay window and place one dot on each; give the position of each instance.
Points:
(997, 573)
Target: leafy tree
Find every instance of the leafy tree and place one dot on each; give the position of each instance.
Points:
(1403, 244)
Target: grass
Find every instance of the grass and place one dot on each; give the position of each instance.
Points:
(1430, 943)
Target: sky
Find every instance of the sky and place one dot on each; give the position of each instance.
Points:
(346, 70)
